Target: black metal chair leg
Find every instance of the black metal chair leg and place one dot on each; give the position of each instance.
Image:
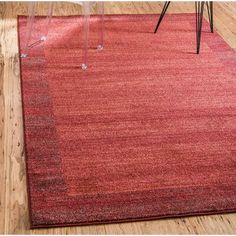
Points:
(199, 6)
(210, 14)
(166, 5)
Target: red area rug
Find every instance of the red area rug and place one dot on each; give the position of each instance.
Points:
(147, 132)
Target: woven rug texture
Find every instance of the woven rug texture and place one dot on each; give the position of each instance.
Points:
(147, 132)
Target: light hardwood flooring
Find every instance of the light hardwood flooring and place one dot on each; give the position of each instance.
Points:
(14, 218)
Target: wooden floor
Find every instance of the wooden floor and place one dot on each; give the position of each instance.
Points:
(14, 218)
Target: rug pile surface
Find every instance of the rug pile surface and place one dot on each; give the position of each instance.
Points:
(147, 132)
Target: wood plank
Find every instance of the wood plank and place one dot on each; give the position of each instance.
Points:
(2, 161)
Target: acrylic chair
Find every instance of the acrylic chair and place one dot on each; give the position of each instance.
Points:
(86, 12)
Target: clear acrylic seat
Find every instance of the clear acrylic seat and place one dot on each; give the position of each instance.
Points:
(86, 6)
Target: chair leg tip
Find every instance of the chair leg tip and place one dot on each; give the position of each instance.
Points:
(23, 55)
(84, 66)
(100, 47)
(43, 38)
